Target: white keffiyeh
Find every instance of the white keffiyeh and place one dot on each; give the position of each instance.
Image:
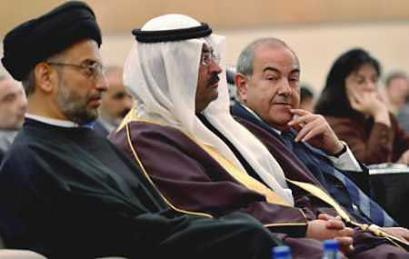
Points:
(163, 78)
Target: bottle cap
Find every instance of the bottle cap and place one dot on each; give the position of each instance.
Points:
(281, 251)
(331, 244)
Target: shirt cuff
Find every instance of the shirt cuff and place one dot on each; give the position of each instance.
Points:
(346, 161)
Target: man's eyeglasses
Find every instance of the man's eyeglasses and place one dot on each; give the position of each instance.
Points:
(207, 58)
(93, 70)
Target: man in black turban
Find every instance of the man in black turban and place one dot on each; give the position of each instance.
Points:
(65, 192)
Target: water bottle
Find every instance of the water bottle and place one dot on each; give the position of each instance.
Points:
(281, 252)
(331, 249)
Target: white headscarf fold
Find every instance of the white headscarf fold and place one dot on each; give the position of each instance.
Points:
(163, 78)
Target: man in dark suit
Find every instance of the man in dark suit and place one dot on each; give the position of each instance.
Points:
(267, 80)
(115, 103)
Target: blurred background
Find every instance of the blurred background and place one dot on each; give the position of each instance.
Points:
(318, 30)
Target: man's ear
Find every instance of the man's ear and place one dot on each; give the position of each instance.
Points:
(241, 82)
(44, 78)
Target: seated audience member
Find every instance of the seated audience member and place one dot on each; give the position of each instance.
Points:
(397, 91)
(230, 85)
(403, 117)
(307, 101)
(267, 80)
(13, 105)
(115, 103)
(164, 124)
(179, 110)
(400, 82)
(66, 192)
(352, 105)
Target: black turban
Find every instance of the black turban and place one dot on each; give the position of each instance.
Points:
(37, 39)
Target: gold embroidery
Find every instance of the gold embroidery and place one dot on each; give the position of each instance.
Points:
(240, 176)
(284, 224)
(244, 178)
(254, 185)
(374, 229)
(139, 162)
(319, 193)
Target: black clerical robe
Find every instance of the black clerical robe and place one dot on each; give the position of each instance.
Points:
(68, 193)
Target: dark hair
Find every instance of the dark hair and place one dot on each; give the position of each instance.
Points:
(306, 92)
(333, 100)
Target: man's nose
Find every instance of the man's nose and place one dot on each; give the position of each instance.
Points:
(284, 87)
(128, 102)
(215, 67)
(102, 83)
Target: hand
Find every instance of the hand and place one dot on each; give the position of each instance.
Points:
(371, 104)
(315, 130)
(402, 233)
(336, 223)
(325, 216)
(404, 158)
(332, 222)
(331, 229)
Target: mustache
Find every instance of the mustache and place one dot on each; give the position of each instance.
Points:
(95, 96)
(213, 79)
(124, 112)
(283, 99)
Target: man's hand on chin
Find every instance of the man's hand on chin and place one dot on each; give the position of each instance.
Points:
(315, 130)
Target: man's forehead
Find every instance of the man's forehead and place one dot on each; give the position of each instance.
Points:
(276, 56)
(83, 51)
(400, 80)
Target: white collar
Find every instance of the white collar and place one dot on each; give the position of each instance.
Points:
(54, 122)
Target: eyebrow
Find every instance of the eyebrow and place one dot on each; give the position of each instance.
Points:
(89, 61)
(8, 95)
(295, 70)
(273, 69)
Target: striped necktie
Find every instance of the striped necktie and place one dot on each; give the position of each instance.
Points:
(362, 203)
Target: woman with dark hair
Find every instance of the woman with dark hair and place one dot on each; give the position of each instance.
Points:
(358, 114)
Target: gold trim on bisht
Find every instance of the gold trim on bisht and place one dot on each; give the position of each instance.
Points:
(139, 162)
(240, 176)
(374, 229)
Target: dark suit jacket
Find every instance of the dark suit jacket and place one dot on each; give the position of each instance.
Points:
(294, 168)
(100, 129)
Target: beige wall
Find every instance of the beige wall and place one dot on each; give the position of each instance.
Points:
(318, 30)
(317, 46)
(119, 16)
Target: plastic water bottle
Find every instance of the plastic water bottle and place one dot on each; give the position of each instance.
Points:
(331, 249)
(281, 252)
